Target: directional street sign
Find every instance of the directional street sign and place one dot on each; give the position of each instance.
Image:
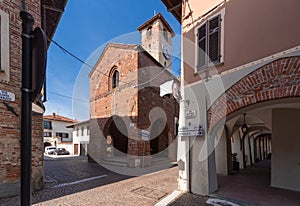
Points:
(191, 131)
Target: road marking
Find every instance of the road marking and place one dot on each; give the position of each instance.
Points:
(169, 198)
(218, 202)
(79, 181)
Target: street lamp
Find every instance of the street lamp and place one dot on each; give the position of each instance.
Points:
(244, 126)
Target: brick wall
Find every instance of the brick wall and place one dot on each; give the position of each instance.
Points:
(10, 147)
(105, 101)
(153, 43)
(129, 101)
(276, 80)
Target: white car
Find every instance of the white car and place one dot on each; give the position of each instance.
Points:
(50, 149)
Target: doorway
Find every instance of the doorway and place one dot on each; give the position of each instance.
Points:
(159, 138)
(119, 136)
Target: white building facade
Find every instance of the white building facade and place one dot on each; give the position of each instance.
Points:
(81, 137)
(240, 76)
(56, 132)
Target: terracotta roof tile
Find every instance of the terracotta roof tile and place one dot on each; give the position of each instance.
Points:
(57, 117)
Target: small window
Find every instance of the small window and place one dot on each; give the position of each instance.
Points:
(47, 125)
(149, 31)
(88, 130)
(115, 79)
(64, 137)
(47, 134)
(77, 131)
(4, 46)
(82, 129)
(208, 38)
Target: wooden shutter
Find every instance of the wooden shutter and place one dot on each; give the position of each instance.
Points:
(202, 47)
(214, 39)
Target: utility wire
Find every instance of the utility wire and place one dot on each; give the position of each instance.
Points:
(83, 62)
(68, 97)
(78, 59)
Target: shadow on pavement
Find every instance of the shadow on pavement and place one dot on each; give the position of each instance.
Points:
(68, 175)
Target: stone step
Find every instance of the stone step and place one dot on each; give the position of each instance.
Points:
(112, 162)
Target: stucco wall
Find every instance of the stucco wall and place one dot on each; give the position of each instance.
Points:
(81, 138)
(221, 153)
(286, 149)
(252, 30)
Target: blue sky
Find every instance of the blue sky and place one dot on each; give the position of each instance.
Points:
(85, 28)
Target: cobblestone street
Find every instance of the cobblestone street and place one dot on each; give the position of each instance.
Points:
(74, 181)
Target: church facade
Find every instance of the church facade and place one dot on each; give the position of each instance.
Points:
(131, 122)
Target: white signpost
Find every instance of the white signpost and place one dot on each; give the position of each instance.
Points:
(191, 131)
(8, 96)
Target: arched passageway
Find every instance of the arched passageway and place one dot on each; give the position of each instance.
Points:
(118, 136)
(270, 98)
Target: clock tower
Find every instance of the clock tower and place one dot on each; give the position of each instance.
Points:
(157, 36)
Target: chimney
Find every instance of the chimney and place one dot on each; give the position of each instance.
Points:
(53, 114)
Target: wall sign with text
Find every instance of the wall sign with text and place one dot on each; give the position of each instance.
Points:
(7, 96)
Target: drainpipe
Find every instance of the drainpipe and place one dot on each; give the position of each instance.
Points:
(26, 124)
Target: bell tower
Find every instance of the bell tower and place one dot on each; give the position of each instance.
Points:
(157, 36)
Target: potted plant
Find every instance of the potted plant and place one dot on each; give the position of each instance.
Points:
(235, 163)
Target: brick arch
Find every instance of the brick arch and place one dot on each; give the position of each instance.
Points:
(276, 80)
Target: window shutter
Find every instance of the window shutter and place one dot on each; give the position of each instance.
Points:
(4, 46)
(201, 46)
(214, 39)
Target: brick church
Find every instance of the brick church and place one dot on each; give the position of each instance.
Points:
(132, 122)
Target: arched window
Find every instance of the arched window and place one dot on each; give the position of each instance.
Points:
(115, 79)
(149, 31)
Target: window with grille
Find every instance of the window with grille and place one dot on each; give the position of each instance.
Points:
(209, 40)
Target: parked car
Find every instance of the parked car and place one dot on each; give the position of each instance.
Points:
(50, 149)
(61, 151)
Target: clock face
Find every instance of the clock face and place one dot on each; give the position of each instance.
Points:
(166, 51)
